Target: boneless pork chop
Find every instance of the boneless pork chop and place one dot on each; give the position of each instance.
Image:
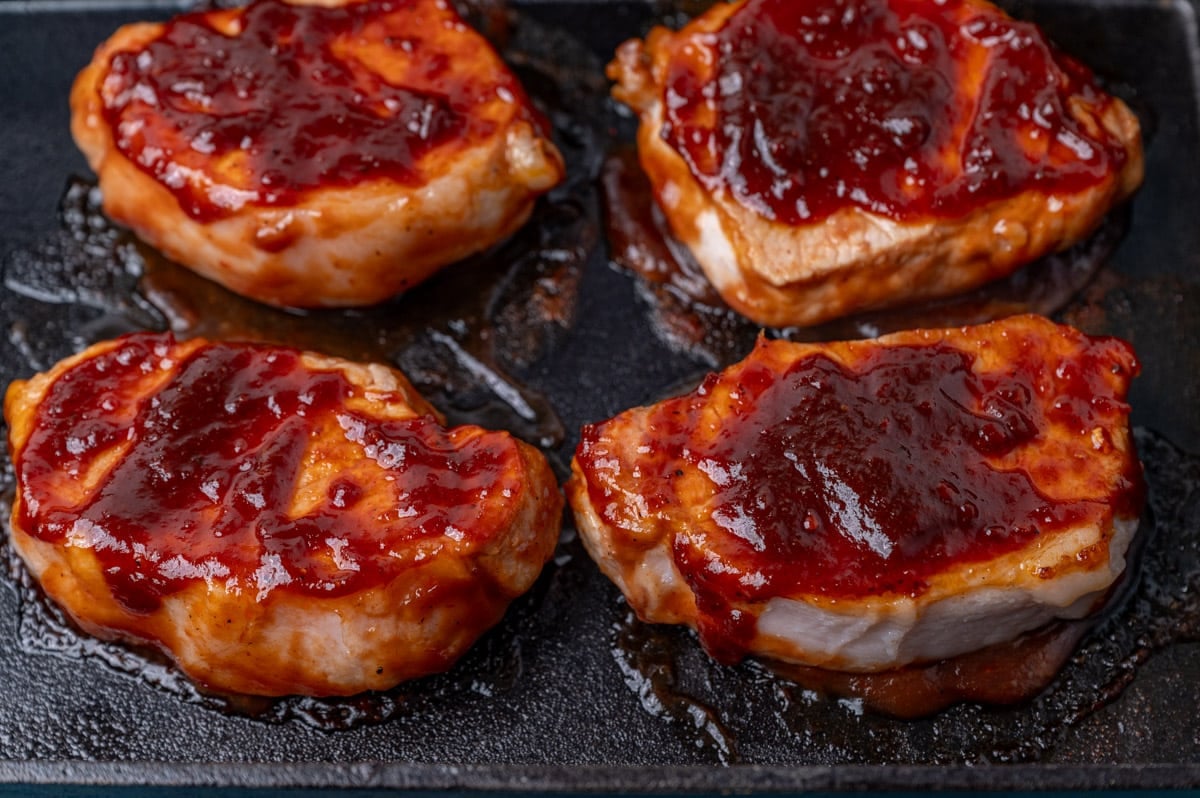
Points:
(864, 505)
(312, 155)
(820, 157)
(278, 522)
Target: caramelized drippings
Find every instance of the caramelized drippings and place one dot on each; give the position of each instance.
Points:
(295, 97)
(903, 108)
(207, 453)
(843, 482)
(640, 237)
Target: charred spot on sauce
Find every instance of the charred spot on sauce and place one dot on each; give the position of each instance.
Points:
(275, 108)
(208, 463)
(801, 109)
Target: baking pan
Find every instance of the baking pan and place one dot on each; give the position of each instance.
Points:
(570, 692)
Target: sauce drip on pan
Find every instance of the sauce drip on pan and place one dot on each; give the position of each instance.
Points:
(206, 485)
(843, 483)
(258, 106)
(903, 108)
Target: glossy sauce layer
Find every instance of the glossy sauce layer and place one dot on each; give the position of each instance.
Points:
(206, 466)
(299, 97)
(904, 108)
(845, 482)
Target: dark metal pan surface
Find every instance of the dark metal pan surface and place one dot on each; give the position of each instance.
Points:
(542, 335)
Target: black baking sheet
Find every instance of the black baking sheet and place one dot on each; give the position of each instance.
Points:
(570, 692)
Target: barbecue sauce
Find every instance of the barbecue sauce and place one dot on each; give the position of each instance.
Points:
(847, 482)
(907, 108)
(209, 446)
(260, 105)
